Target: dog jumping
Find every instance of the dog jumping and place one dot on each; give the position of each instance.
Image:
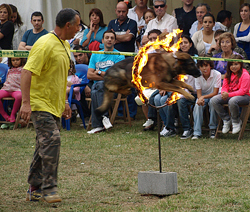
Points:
(160, 71)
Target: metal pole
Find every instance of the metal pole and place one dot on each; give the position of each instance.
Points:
(159, 138)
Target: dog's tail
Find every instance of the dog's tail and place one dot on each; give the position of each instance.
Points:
(107, 102)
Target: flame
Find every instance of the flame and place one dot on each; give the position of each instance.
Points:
(175, 95)
(141, 60)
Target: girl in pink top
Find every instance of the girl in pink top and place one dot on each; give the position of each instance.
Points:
(12, 87)
(234, 92)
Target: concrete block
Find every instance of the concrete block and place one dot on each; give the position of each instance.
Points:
(154, 182)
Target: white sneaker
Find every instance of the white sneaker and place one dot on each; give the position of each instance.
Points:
(96, 130)
(106, 122)
(148, 123)
(236, 127)
(164, 131)
(226, 126)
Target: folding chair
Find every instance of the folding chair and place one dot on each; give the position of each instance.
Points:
(81, 72)
(113, 114)
(245, 112)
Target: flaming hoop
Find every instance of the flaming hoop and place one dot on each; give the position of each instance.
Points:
(141, 60)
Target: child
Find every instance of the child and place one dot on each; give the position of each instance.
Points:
(234, 92)
(12, 87)
(73, 79)
(207, 86)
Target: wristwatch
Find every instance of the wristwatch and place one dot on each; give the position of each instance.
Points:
(99, 72)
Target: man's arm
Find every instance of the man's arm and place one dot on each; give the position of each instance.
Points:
(93, 74)
(124, 38)
(23, 46)
(25, 110)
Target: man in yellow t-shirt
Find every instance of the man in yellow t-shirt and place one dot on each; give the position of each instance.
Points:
(43, 86)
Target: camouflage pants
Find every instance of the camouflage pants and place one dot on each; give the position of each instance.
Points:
(43, 169)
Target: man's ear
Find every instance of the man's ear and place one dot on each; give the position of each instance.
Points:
(67, 24)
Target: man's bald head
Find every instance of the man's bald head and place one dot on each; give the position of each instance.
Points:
(121, 11)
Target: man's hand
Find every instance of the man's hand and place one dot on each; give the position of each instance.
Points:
(67, 112)
(201, 101)
(25, 112)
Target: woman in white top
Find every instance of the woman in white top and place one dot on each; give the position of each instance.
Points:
(204, 38)
(19, 27)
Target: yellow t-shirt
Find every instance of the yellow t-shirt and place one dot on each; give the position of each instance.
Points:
(49, 65)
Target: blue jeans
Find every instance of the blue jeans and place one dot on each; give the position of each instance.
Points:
(198, 117)
(152, 113)
(160, 100)
(233, 104)
(170, 111)
(97, 93)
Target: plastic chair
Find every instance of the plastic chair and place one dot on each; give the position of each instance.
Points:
(81, 72)
(3, 73)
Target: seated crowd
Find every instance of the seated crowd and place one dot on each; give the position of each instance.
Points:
(220, 82)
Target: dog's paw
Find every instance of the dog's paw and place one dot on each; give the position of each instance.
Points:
(190, 88)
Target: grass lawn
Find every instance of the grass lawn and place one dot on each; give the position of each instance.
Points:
(99, 172)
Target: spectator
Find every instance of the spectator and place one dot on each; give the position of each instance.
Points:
(234, 92)
(169, 113)
(147, 16)
(19, 27)
(98, 65)
(163, 21)
(242, 29)
(149, 112)
(47, 69)
(185, 16)
(203, 39)
(32, 35)
(227, 44)
(6, 27)
(224, 19)
(207, 86)
(124, 28)
(79, 35)
(137, 12)
(83, 58)
(215, 49)
(92, 37)
(201, 10)
(12, 88)
(71, 80)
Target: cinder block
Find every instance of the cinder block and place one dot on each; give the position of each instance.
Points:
(154, 182)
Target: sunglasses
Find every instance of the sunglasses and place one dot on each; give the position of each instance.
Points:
(160, 5)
